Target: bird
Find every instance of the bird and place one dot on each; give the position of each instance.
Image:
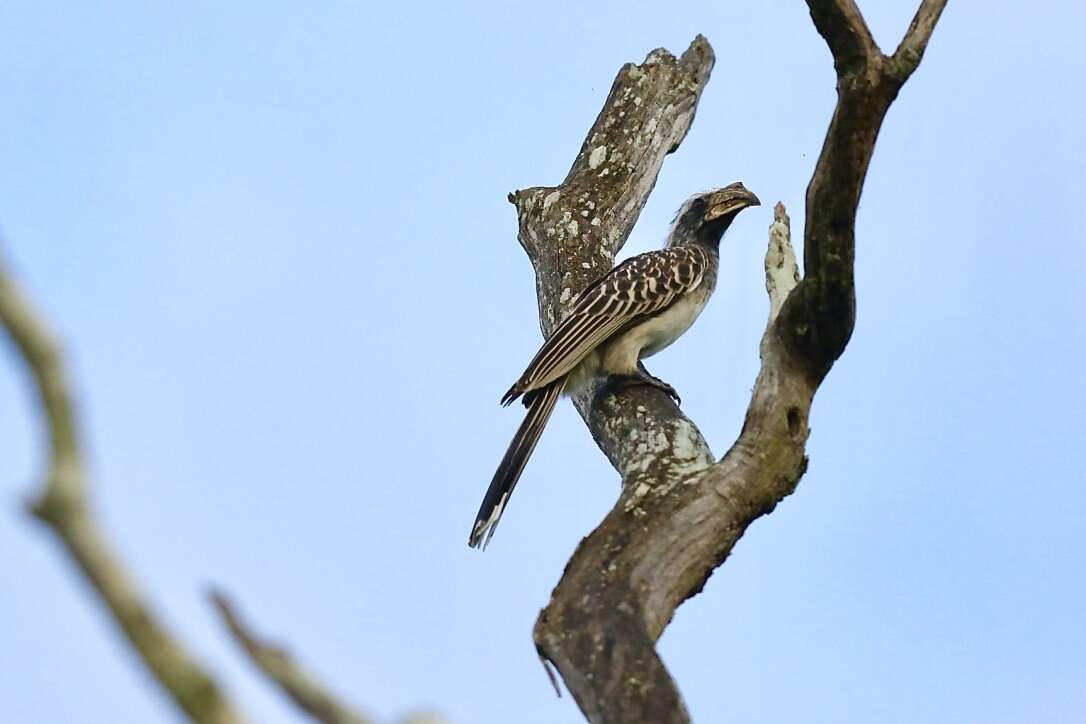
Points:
(635, 310)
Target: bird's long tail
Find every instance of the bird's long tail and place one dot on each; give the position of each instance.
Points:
(540, 405)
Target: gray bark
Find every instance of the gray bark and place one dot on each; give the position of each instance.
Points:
(680, 512)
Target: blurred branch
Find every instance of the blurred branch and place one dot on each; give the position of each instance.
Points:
(310, 695)
(62, 505)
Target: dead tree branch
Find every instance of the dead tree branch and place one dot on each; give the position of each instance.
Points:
(680, 514)
(309, 694)
(62, 504)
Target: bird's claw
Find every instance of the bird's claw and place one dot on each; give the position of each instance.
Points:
(668, 390)
(663, 387)
(617, 383)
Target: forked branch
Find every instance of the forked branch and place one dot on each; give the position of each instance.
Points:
(679, 514)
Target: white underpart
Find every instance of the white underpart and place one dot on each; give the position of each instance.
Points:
(620, 354)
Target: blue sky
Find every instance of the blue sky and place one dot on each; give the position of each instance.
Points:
(277, 245)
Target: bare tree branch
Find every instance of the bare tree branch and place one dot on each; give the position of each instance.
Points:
(845, 30)
(662, 539)
(911, 50)
(679, 514)
(781, 269)
(309, 694)
(821, 314)
(572, 233)
(62, 504)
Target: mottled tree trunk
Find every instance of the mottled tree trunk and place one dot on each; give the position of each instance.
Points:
(681, 511)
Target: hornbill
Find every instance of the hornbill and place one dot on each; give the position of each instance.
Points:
(634, 311)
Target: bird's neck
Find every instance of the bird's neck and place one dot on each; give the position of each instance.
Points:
(707, 235)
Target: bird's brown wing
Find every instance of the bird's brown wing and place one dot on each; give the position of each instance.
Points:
(642, 285)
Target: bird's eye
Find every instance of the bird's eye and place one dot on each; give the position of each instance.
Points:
(698, 206)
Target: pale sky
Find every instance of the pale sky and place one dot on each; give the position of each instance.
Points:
(276, 243)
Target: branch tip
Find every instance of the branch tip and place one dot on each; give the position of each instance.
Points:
(845, 31)
(781, 267)
(659, 55)
(550, 674)
(276, 663)
(700, 53)
(911, 49)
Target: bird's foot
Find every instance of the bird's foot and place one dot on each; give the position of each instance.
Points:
(617, 383)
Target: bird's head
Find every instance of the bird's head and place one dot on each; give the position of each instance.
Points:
(704, 217)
